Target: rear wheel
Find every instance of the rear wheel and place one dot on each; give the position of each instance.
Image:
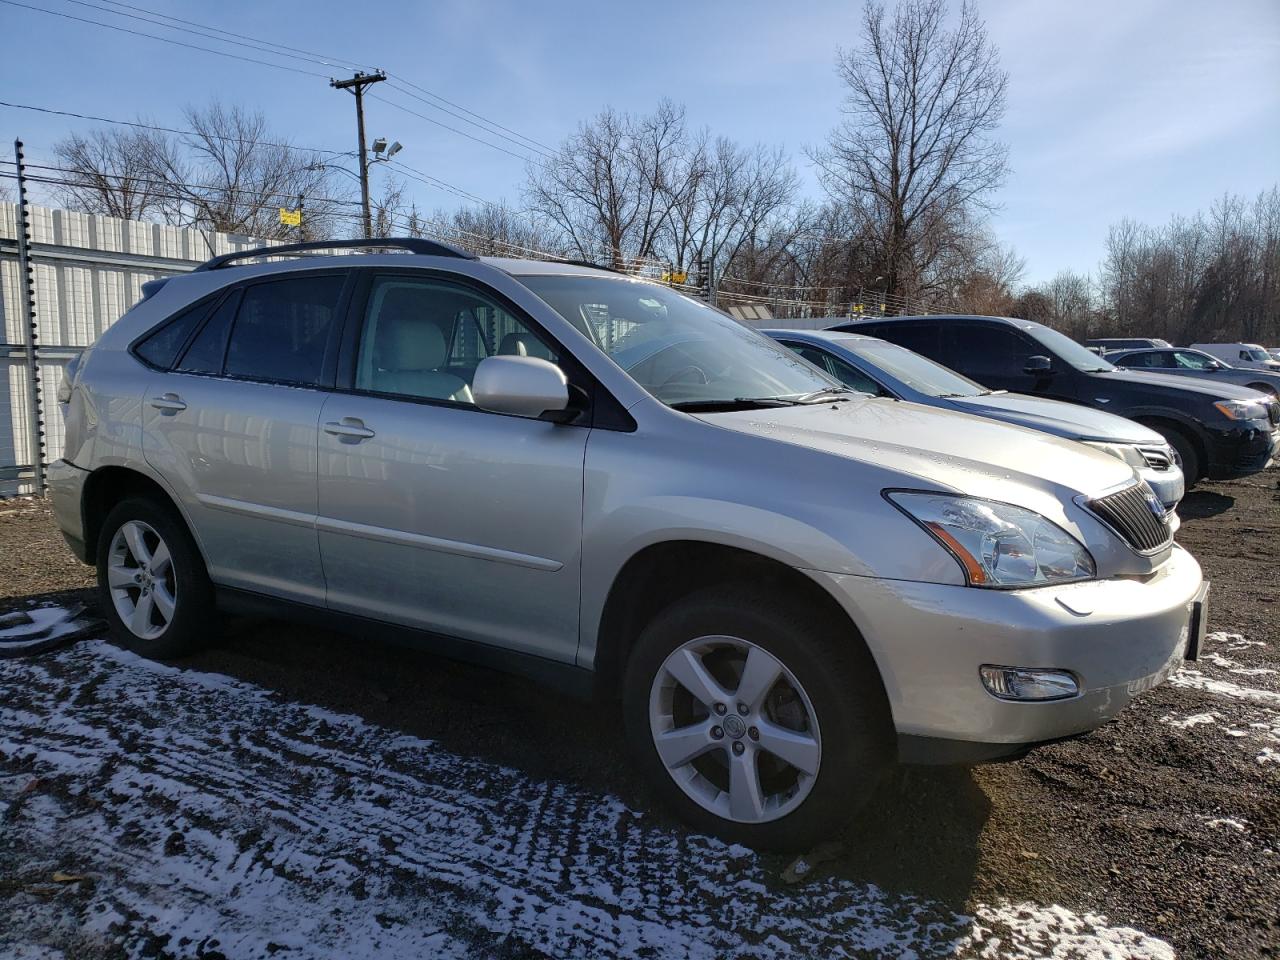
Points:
(154, 590)
(757, 720)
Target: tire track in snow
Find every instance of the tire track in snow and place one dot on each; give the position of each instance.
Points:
(211, 811)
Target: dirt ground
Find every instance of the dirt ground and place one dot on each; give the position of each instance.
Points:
(1166, 820)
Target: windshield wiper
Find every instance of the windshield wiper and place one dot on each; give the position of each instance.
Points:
(832, 393)
(737, 403)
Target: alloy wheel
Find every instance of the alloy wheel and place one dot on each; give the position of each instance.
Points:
(142, 581)
(735, 729)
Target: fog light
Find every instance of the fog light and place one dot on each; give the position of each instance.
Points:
(1023, 683)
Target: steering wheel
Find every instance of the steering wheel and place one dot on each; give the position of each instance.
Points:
(679, 374)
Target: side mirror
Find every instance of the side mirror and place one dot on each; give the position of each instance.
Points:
(1213, 365)
(1038, 366)
(523, 386)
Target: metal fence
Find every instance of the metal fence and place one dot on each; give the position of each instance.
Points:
(85, 272)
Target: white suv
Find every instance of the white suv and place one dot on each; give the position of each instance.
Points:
(589, 477)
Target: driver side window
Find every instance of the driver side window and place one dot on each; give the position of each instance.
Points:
(425, 338)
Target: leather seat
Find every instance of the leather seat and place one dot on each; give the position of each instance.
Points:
(410, 351)
(523, 345)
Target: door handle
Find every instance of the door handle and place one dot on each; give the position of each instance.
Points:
(348, 429)
(169, 403)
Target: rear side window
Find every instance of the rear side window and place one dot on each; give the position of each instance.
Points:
(282, 329)
(210, 345)
(922, 337)
(161, 347)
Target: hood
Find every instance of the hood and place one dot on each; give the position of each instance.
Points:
(1211, 389)
(935, 448)
(1070, 420)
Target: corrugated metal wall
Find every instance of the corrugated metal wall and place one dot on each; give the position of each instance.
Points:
(88, 270)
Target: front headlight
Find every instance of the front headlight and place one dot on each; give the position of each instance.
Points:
(1242, 409)
(1123, 451)
(997, 544)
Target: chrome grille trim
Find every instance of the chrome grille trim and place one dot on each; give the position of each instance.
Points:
(1128, 512)
(1158, 458)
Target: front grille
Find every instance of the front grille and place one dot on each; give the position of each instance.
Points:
(1273, 411)
(1158, 458)
(1135, 513)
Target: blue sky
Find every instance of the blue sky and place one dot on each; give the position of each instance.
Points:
(1117, 108)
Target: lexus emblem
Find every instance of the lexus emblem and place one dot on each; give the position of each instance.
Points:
(1156, 507)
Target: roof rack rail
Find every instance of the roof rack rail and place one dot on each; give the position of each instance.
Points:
(415, 245)
(588, 263)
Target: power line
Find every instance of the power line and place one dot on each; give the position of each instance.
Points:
(429, 181)
(488, 126)
(478, 116)
(324, 58)
(152, 36)
(151, 126)
(421, 116)
(511, 140)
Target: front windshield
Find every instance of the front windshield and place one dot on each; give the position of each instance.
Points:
(917, 372)
(1068, 350)
(1256, 354)
(681, 351)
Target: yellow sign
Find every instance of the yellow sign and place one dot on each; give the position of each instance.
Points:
(677, 276)
(291, 218)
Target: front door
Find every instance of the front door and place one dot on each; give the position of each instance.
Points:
(434, 513)
(996, 356)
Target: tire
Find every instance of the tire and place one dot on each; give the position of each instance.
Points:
(181, 622)
(1188, 456)
(828, 705)
(1264, 388)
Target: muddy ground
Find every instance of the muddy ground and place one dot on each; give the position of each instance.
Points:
(1166, 821)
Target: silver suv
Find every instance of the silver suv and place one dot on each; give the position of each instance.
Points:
(585, 476)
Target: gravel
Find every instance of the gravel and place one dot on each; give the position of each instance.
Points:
(1158, 832)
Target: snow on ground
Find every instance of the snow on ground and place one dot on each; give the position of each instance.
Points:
(211, 815)
(1255, 712)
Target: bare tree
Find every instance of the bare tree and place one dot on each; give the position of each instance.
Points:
(606, 190)
(110, 172)
(915, 153)
(726, 198)
(1204, 277)
(232, 175)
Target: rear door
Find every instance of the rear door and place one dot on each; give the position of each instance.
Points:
(434, 513)
(232, 428)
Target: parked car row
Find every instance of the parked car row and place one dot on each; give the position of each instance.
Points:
(776, 584)
(882, 368)
(1189, 362)
(1219, 430)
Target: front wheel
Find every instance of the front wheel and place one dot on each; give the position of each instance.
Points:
(152, 582)
(757, 720)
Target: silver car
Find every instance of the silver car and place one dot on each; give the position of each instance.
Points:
(593, 479)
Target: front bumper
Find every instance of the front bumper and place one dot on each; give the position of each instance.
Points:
(1120, 637)
(1240, 451)
(66, 493)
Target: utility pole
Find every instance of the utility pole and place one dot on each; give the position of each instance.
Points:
(356, 85)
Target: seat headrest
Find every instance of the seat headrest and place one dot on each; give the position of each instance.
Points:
(522, 345)
(410, 344)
